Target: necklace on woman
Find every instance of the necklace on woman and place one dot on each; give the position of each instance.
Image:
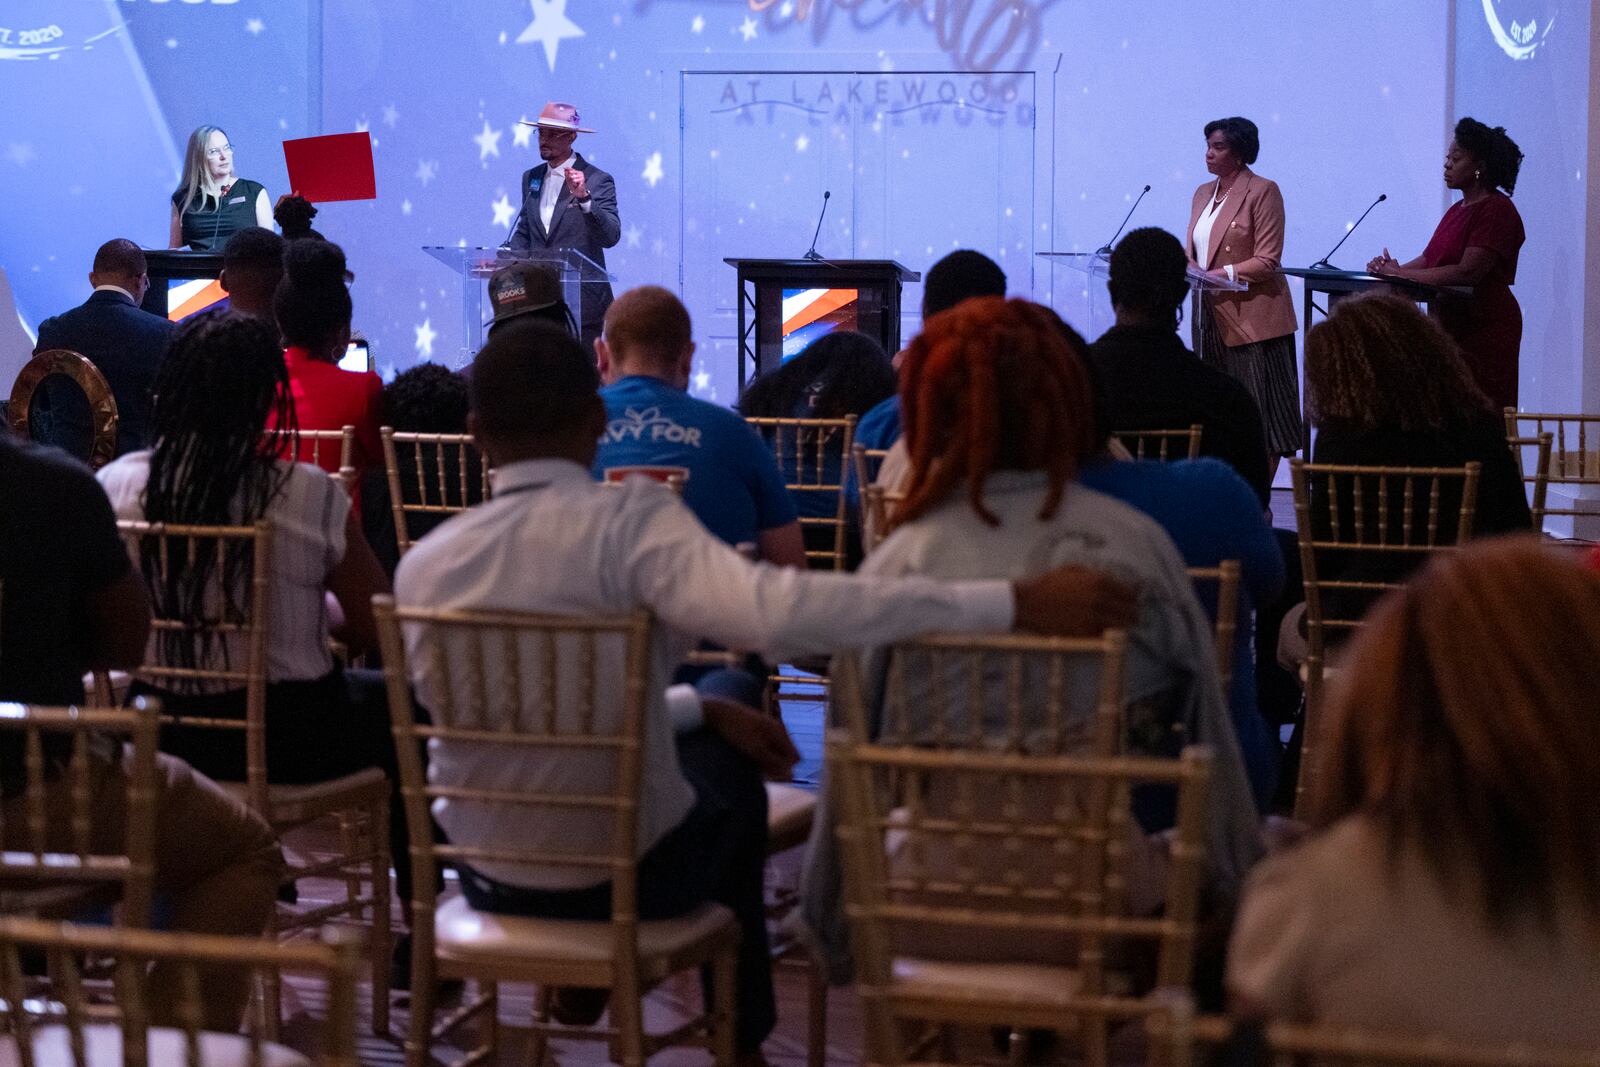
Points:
(1221, 194)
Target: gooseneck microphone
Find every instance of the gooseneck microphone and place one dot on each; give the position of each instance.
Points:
(1323, 264)
(813, 253)
(1105, 249)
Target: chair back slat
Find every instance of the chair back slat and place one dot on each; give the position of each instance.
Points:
(1574, 462)
(813, 455)
(533, 720)
(1361, 531)
(161, 980)
(431, 476)
(1162, 445)
(54, 762)
(225, 650)
(1533, 456)
(1226, 575)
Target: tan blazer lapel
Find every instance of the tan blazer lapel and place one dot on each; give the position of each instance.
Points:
(1201, 195)
(1229, 212)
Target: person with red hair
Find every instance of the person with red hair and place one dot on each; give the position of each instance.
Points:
(999, 417)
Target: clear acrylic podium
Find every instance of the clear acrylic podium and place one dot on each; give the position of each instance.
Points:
(1097, 265)
(475, 265)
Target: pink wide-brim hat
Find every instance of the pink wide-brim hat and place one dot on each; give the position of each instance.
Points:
(558, 117)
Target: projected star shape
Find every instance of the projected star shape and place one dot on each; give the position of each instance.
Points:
(521, 134)
(652, 169)
(425, 335)
(504, 211)
(488, 142)
(550, 26)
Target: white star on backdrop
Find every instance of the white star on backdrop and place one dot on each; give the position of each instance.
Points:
(391, 115)
(521, 134)
(488, 142)
(748, 28)
(427, 170)
(21, 153)
(550, 26)
(633, 233)
(801, 143)
(504, 211)
(405, 207)
(702, 381)
(362, 126)
(425, 335)
(254, 27)
(698, 25)
(652, 169)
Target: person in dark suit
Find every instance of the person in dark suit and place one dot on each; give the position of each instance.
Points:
(124, 342)
(568, 202)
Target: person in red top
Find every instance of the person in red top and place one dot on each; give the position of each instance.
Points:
(1476, 244)
(313, 309)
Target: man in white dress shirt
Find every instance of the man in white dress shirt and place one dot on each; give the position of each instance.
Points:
(554, 540)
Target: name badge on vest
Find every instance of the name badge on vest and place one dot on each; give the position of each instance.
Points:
(535, 185)
(237, 200)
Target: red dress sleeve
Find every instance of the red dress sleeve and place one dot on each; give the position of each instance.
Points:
(1497, 226)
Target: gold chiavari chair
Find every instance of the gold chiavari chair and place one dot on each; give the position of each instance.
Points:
(1360, 530)
(56, 861)
(316, 447)
(1574, 464)
(877, 505)
(1535, 481)
(234, 636)
(1180, 1039)
(1226, 576)
(986, 885)
(545, 687)
(865, 463)
(96, 390)
(431, 474)
(78, 1019)
(813, 455)
(1161, 444)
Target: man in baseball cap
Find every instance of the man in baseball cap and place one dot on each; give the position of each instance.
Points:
(568, 202)
(530, 290)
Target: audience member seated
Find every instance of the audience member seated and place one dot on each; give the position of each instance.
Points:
(293, 214)
(1451, 883)
(999, 418)
(313, 310)
(958, 276)
(252, 266)
(840, 373)
(1149, 381)
(123, 341)
(655, 428)
(72, 603)
(428, 398)
(552, 539)
(523, 291)
(224, 380)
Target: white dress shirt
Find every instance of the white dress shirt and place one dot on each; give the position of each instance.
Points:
(550, 191)
(1202, 231)
(554, 540)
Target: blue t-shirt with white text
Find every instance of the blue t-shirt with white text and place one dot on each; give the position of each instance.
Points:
(730, 480)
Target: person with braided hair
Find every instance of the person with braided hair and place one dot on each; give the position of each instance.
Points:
(999, 418)
(1477, 244)
(216, 462)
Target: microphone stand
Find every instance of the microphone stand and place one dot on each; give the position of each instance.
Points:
(1323, 264)
(1105, 249)
(812, 253)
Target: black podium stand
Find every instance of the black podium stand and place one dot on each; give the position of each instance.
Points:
(167, 265)
(875, 307)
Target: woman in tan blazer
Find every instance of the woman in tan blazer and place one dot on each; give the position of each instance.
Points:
(1236, 232)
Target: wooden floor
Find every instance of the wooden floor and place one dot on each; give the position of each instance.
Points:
(665, 1005)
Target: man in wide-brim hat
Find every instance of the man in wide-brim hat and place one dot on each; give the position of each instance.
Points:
(568, 202)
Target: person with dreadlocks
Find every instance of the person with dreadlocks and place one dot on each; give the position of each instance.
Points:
(999, 417)
(215, 462)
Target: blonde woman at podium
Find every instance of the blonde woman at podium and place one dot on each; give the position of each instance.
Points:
(1236, 232)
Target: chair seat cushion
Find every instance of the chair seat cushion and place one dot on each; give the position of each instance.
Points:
(463, 932)
(789, 813)
(297, 803)
(1029, 984)
(103, 1048)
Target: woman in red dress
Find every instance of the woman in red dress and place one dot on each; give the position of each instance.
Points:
(1476, 244)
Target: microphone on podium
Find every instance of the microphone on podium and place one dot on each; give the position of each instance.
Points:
(813, 253)
(1323, 264)
(1105, 249)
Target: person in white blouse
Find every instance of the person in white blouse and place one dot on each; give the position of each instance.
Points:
(552, 539)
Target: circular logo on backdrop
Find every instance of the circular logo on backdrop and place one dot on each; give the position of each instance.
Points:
(1520, 26)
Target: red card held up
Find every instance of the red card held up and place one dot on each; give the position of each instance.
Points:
(337, 166)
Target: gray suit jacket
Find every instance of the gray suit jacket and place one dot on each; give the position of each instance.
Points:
(590, 232)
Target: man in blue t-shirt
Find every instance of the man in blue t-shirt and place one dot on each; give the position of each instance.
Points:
(654, 427)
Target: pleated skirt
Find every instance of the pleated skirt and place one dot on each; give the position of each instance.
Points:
(1268, 371)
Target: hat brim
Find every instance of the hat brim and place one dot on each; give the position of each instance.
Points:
(523, 311)
(543, 125)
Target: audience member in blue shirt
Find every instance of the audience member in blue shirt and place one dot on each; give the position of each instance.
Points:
(654, 427)
(1212, 514)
